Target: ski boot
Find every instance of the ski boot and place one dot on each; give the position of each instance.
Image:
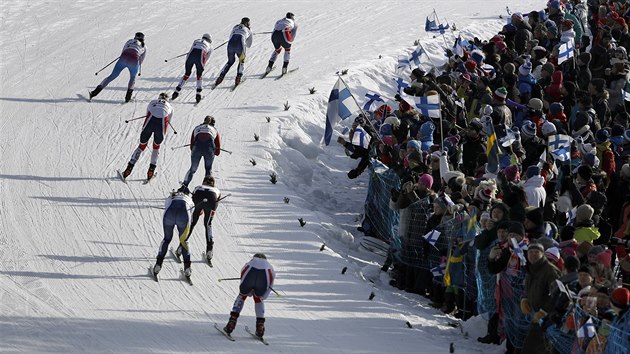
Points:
(198, 96)
(150, 172)
(260, 326)
(229, 327)
(219, 79)
(269, 67)
(237, 80)
(96, 91)
(156, 269)
(184, 189)
(176, 93)
(128, 170)
(128, 96)
(285, 67)
(187, 272)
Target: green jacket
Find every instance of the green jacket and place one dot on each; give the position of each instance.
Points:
(586, 234)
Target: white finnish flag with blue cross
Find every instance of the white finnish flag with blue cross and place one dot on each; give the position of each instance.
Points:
(341, 105)
(432, 237)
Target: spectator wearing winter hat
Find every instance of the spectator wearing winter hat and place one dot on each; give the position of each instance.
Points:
(548, 129)
(585, 229)
(533, 186)
(416, 86)
(580, 127)
(472, 147)
(556, 112)
(570, 274)
(568, 245)
(584, 180)
(535, 227)
(583, 72)
(482, 96)
(600, 97)
(501, 113)
(526, 81)
(604, 152)
(599, 55)
(425, 135)
(540, 274)
(531, 143)
(553, 92)
(586, 276)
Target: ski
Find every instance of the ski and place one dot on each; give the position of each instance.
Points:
(227, 335)
(265, 74)
(188, 279)
(150, 179)
(261, 339)
(122, 178)
(235, 86)
(208, 261)
(177, 258)
(287, 73)
(153, 275)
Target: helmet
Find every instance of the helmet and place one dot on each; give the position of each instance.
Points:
(207, 37)
(208, 180)
(139, 36)
(164, 96)
(260, 255)
(290, 15)
(245, 21)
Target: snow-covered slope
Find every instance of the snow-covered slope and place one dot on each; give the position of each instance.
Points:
(75, 242)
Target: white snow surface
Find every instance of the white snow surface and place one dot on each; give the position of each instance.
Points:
(76, 243)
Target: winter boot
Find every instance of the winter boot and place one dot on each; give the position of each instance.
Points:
(176, 93)
(260, 326)
(187, 272)
(198, 96)
(96, 91)
(128, 95)
(449, 302)
(285, 67)
(229, 327)
(151, 171)
(219, 79)
(128, 170)
(238, 79)
(493, 327)
(269, 67)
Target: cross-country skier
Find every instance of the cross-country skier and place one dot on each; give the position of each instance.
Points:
(177, 212)
(206, 198)
(240, 39)
(197, 56)
(159, 114)
(205, 142)
(257, 277)
(284, 33)
(131, 58)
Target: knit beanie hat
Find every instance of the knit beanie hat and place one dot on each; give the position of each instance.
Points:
(510, 79)
(417, 73)
(587, 269)
(584, 213)
(620, 298)
(470, 65)
(532, 171)
(583, 248)
(535, 104)
(585, 171)
(512, 173)
(414, 144)
(426, 180)
(525, 69)
(553, 254)
(567, 233)
(517, 228)
(604, 258)
(536, 246)
(591, 159)
(500, 94)
(528, 129)
(548, 129)
(599, 84)
(535, 216)
(485, 216)
(509, 68)
(556, 108)
(601, 136)
(595, 250)
(478, 56)
(617, 130)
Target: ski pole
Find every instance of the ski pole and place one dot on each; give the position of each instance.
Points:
(222, 279)
(220, 199)
(112, 62)
(179, 56)
(228, 151)
(179, 147)
(220, 45)
(272, 289)
(174, 131)
(262, 32)
(129, 120)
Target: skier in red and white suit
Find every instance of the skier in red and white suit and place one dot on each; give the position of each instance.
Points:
(284, 33)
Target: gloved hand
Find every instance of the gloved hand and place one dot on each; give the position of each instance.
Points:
(353, 174)
(341, 140)
(539, 315)
(526, 308)
(495, 252)
(241, 58)
(213, 213)
(407, 187)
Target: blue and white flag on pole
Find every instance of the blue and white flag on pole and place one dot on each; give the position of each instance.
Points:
(432, 26)
(560, 146)
(403, 63)
(571, 216)
(428, 105)
(587, 330)
(401, 83)
(415, 55)
(519, 250)
(372, 98)
(341, 105)
(458, 47)
(439, 270)
(565, 51)
(432, 237)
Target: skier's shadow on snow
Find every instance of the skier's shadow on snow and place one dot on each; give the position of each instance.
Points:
(44, 100)
(257, 108)
(98, 202)
(52, 178)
